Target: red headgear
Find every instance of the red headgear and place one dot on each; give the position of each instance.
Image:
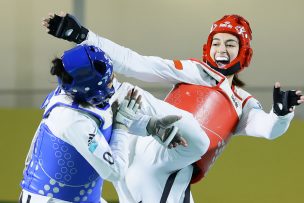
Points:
(239, 27)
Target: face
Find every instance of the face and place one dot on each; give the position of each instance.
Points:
(110, 84)
(224, 48)
(103, 100)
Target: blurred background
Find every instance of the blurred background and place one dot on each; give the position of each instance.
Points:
(250, 170)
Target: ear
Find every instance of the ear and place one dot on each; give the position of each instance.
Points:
(248, 56)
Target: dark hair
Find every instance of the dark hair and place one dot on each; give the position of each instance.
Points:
(58, 70)
(237, 82)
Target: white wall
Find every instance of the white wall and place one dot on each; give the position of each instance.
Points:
(167, 28)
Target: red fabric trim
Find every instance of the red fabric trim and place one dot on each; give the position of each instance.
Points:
(219, 84)
(178, 64)
(245, 101)
(233, 90)
(240, 98)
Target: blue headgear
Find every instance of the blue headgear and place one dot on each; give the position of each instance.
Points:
(91, 70)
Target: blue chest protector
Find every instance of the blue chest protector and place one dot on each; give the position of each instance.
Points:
(56, 169)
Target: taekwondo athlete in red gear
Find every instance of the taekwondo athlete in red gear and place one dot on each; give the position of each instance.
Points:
(206, 89)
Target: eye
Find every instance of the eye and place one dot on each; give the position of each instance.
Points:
(215, 44)
(230, 45)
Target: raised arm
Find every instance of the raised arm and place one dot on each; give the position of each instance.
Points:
(125, 61)
(255, 122)
(81, 131)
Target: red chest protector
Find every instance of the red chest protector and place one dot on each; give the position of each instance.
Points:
(214, 111)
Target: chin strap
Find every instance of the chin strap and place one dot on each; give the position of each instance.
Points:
(230, 71)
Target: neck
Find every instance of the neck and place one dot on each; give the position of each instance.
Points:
(230, 78)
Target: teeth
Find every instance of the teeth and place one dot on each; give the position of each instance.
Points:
(222, 58)
(221, 61)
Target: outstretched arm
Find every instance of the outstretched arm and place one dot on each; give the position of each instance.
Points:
(255, 122)
(125, 61)
(65, 26)
(284, 102)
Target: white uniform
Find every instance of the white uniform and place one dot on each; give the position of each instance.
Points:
(148, 172)
(73, 150)
(153, 163)
(74, 128)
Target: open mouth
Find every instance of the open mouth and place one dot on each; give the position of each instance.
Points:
(222, 61)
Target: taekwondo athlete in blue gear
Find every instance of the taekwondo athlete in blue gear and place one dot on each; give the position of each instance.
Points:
(56, 168)
(73, 149)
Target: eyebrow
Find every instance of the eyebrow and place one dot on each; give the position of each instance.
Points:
(229, 40)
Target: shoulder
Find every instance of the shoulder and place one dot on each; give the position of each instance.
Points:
(62, 118)
(186, 63)
(248, 100)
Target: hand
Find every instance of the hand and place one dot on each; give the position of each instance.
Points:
(65, 26)
(284, 102)
(126, 113)
(164, 132)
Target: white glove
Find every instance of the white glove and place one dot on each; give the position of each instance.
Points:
(165, 132)
(126, 113)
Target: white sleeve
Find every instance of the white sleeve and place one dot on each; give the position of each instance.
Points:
(257, 123)
(139, 127)
(110, 161)
(81, 131)
(147, 68)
